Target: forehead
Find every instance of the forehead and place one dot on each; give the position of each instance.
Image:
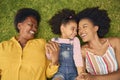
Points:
(85, 21)
(31, 19)
(72, 23)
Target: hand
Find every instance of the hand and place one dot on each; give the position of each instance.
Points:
(85, 76)
(53, 49)
(81, 76)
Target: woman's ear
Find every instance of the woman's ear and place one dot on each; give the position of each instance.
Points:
(19, 26)
(96, 28)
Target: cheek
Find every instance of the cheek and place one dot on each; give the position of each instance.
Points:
(67, 33)
(25, 30)
(91, 31)
(70, 32)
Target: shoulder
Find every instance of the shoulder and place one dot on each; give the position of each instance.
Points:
(39, 41)
(4, 43)
(76, 40)
(115, 44)
(8, 41)
(114, 41)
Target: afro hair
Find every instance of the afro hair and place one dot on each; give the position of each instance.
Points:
(62, 17)
(23, 13)
(99, 18)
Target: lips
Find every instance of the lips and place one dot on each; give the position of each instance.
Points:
(32, 32)
(83, 35)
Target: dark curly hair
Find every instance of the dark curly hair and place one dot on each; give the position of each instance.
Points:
(23, 13)
(62, 17)
(98, 17)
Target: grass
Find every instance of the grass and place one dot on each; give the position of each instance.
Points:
(47, 8)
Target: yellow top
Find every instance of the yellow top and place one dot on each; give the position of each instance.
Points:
(29, 63)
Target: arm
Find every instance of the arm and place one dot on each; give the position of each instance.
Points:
(51, 69)
(81, 76)
(77, 55)
(53, 49)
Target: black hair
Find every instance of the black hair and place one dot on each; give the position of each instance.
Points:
(62, 17)
(23, 13)
(99, 17)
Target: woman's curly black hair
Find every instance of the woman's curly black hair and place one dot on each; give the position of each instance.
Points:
(23, 13)
(99, 17)
(62, 17)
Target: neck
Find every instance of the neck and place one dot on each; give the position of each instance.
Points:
(22, 41)
(95, 42)
(63, 37)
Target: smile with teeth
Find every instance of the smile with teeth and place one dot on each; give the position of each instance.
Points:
(32, 32)
(83, 35)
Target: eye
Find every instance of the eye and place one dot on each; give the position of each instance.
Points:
(30, 24)
(85, 25)
(72, 28)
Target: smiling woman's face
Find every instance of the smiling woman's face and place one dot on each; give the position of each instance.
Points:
(87, 30)
(28, 28)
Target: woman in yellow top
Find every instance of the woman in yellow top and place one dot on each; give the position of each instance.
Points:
(23, 57)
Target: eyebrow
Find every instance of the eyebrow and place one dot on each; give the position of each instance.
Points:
(73, 27)
(85, 24)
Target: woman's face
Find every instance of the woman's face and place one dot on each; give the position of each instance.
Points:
(69, 30)
(87, 30)
(28, 28)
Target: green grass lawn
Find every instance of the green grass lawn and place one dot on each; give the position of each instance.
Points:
(47, 8)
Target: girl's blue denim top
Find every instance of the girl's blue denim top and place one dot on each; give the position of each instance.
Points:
(67, 67)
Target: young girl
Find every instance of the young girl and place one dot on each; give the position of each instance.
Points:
(64, 24)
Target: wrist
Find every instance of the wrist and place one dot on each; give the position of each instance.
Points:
(55, 63)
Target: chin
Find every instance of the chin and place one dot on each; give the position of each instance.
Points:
(71, 37)
(84, 40)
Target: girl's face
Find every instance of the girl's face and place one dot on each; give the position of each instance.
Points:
(87, 30)
(27, 28)
(69, 30)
